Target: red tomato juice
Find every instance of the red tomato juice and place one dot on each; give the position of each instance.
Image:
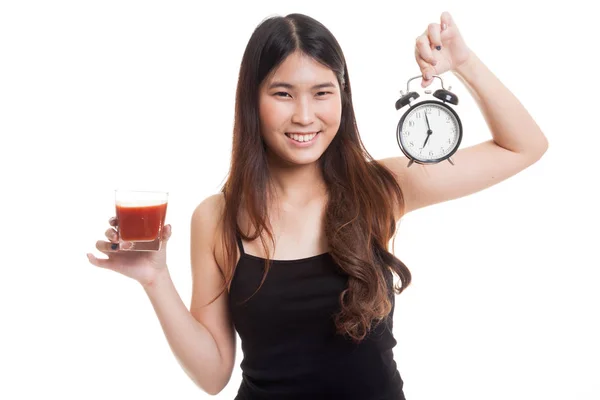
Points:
(141, 223)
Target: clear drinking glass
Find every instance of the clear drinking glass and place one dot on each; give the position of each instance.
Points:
(141, 216)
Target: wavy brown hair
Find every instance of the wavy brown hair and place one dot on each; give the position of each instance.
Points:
(362, 194)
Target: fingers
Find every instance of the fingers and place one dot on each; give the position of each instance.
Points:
(435, 38)
(114, 244)
(107, 247)
(112, 235)
(428, 44)
(446, 20)
(448, 29)
(424, 49)
(425, 65)
(98, 262)
(166, 233)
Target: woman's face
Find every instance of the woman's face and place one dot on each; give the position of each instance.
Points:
(300, 110)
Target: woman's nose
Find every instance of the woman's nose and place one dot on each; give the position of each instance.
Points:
(303, 112)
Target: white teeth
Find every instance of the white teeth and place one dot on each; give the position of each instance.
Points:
(301, 138)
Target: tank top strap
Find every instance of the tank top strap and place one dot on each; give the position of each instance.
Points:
(240, 244)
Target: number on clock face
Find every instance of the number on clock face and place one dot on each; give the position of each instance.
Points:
(444, 129)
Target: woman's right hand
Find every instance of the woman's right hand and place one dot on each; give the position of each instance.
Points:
(143, 266)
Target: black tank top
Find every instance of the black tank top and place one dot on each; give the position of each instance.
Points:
(288, 338)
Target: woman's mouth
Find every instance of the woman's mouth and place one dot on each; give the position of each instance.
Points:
(302, 137)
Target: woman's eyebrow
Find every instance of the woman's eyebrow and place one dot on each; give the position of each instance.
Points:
(290, 86)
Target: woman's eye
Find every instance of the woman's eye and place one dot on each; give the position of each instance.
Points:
(285, 94)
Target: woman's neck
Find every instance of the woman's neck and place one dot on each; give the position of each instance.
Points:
(298, 185)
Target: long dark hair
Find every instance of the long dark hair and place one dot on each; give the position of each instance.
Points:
(362, 194)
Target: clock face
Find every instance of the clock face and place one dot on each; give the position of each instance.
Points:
(430, 132)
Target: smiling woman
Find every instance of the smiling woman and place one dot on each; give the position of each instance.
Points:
(302, 189)
(293, 254)
(293, 106)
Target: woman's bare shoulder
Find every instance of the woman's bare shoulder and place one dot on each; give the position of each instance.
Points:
(210, 208)
(207, 223)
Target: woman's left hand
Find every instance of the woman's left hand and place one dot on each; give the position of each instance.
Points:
(440, 48)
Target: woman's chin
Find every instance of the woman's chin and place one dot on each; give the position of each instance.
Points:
(289, 159)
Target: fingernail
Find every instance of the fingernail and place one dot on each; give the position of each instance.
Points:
(114, 246)
(438, 47)
(444, 26)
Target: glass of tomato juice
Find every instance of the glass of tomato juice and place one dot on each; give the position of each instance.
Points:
(141, 216)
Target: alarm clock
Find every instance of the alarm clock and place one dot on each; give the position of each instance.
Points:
(429, 131)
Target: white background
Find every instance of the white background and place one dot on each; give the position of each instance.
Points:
(140, 94)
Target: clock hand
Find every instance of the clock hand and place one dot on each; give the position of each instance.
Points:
(427, 138)
(429, 131)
